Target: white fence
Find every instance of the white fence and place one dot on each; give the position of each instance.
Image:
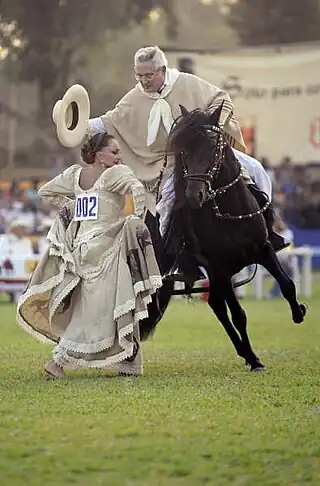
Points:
(302, 273)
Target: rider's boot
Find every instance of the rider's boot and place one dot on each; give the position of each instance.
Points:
(277, 241)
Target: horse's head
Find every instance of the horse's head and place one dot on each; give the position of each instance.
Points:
(197, 142)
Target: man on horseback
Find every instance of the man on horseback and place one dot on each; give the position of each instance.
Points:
(142, 120)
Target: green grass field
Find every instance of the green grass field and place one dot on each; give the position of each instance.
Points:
(197, 417)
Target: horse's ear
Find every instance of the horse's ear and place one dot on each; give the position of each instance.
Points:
(215, 116)
(184, 110)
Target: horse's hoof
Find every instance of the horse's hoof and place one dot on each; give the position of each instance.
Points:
(258, 369)
(304, 309)
(302, 314)
(257, 366)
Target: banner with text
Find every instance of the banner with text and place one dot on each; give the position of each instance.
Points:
(276, 93)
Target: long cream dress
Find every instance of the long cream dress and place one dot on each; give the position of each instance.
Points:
(93, 284)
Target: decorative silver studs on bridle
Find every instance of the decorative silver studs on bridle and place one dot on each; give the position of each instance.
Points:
(212, 175)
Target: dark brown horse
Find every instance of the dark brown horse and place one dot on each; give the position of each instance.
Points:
(217, 222)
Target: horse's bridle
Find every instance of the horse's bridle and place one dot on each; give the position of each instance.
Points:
(214, 169)
(213, 173)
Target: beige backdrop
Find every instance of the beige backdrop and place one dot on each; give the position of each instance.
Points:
(276, 92)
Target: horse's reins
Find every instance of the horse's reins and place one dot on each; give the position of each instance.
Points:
(160, 178)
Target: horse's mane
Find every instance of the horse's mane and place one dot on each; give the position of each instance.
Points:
(188, 130)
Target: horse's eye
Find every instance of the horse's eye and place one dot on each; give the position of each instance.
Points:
(211, 134)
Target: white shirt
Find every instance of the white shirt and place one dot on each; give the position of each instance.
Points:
(256, 171)
(287, 234)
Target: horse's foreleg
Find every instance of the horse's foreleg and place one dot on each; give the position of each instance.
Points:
(271, 263)
(239, 320)
(217, 303)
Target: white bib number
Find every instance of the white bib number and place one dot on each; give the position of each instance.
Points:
(87, 206)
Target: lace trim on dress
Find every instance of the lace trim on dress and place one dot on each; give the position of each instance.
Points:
(30, 330)
(35, 290)
(82, 348)
(134, 369)
(151, 285)
(62, 358)
(139, 199)
(63, 294)
(56, 249)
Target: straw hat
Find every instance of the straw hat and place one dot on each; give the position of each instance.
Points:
(71, 116)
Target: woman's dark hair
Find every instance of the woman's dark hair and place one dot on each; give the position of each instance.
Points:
(93, 145)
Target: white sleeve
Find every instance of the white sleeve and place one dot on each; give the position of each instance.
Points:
(166, 203)
(60, 190)
(263, 181)
(256, 171)
(96, 125)
(125, 182)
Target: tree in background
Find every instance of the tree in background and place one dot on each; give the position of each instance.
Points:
(45, 41)
(263, 22)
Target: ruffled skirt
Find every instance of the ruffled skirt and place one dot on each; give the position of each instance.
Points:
(88, 298)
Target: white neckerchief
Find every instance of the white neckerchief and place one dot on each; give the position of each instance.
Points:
(161, 109)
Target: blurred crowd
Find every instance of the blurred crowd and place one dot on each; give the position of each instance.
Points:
(296, 192)
(23, 214)
(25, 219)
(296, 197)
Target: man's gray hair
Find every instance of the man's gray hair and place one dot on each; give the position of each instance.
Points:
(153, 54)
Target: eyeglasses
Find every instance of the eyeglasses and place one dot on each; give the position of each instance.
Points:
(147, 76)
